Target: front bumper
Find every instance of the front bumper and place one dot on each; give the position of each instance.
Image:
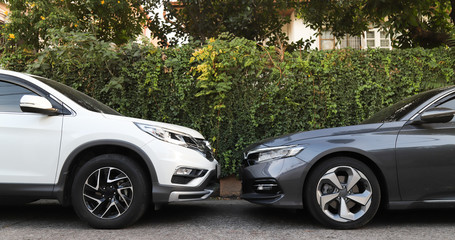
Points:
(279, 182)
(172, 193)
(168, 186)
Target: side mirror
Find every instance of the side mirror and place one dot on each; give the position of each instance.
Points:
(37, 104)
(437, 115)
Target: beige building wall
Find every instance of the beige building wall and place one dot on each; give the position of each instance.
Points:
(297, 30)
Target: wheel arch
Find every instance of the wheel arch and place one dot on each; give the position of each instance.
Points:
(362, 158)
(87, 151)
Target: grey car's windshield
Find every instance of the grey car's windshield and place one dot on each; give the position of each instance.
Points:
(401, 108)
(78, 97)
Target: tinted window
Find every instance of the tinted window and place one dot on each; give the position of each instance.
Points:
(448, 104)
(10, 96)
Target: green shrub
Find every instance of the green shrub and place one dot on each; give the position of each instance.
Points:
(15, 59)
(236, 92)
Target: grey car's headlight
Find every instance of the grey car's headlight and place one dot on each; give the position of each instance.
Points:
(166, 135)
(267, 154)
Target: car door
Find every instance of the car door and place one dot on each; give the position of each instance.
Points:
(29, 142)
(425, 156)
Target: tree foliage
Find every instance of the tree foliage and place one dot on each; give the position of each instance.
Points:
(255, 20)
(29, 21)
(410, 23)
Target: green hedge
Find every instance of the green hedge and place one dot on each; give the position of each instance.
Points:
(236, 92)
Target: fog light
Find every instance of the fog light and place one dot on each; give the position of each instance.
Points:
(183, 171)
(265, 186)
(184, 175)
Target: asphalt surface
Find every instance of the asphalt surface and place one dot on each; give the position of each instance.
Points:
(220, 219)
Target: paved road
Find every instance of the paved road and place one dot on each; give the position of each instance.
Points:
(220, 219)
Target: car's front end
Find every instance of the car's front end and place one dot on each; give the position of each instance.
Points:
(270, 174)
(184, 162)
(274, 170)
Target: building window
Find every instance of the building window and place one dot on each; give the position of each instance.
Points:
(377, 39)
(351, 42)
(371, 39)
(327, 40)
(385, 41)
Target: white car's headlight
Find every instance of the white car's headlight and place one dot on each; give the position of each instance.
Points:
(166, 135)
(267, 154)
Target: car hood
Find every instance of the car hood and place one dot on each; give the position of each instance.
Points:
(177, 128)
(292, 138)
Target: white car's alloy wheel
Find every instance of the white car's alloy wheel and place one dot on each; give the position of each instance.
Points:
(108, 192)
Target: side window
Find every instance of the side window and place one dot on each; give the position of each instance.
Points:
(449, 104)
(10, 96)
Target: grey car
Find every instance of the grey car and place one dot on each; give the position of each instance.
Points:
(402, 157)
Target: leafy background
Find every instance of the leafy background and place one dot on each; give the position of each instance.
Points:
(233, 90)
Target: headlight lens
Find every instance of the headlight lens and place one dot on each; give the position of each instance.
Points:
(267, 154)
(165, 134)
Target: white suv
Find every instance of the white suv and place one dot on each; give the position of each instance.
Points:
(57, 143)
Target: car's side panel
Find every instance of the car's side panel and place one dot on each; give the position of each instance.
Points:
(426, 161)
(30, 142)
(29, 148)
(425, 157)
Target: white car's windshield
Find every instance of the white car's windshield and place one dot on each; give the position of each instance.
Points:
(78, 97)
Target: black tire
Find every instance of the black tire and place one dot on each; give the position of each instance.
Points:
(342, 208)
(110, 191)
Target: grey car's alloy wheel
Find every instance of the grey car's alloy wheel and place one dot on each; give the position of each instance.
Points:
(342, 193)
(110, 191)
